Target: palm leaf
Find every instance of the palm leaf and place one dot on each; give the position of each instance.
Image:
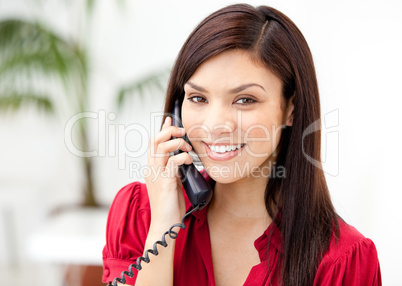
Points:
(154, 83)
(30, 48)
(16, 100)
(90, 6)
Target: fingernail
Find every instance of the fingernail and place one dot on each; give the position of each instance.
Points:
(182, 130)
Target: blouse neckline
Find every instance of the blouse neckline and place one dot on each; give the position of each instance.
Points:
(271, 234)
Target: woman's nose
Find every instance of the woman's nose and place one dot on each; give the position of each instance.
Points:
(220, 122)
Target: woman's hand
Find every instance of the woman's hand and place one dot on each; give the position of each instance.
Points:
(166, 200)
(163, 183)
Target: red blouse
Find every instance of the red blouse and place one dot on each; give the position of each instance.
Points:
(351, 261)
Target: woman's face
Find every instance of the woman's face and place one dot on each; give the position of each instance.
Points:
(234, 112)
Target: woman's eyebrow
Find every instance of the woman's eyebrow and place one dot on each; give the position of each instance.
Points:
(233, 90)
(196, 87)
(245, 86)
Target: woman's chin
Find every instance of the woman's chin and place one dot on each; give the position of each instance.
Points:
(222, 176)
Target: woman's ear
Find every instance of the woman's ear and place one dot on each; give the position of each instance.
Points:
(289, 112)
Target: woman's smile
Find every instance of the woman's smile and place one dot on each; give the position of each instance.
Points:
(222, 151)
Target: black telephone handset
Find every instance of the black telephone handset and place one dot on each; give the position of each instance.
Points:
(198, 190)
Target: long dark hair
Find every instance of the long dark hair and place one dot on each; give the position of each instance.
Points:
(307, 217)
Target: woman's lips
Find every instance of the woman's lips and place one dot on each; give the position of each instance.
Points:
(222, 156)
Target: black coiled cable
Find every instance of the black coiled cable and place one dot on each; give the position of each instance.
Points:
(172, 234)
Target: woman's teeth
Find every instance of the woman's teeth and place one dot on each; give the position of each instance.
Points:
(223, 149)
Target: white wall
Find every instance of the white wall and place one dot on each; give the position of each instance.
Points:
(357, 51)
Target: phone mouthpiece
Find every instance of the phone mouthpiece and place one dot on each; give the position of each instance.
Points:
(198, 190)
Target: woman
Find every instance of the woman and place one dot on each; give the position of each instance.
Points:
(246, 83)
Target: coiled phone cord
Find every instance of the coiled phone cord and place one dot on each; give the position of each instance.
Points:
(172, 234)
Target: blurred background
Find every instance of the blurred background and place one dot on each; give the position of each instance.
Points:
(81, 92)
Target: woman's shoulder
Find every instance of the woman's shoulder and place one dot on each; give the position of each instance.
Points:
(127, 227)
(135, 194)
(348, 240)
(351, 259)
(129, 207)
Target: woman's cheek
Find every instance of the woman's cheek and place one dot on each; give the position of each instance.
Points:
(261, 139)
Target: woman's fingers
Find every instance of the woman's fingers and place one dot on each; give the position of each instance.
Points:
(173, 145)
(168, 130)
(175, 161)
(161, 152)
(180, 159)
(168, 122)
(165, 135)
(161, 147)
(162, 144)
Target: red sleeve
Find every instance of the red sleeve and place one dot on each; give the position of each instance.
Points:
(358, 266)
(127, 229)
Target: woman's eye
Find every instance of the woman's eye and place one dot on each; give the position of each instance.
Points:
(198, 99)
(245, 100)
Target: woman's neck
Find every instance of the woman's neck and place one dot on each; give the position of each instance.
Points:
(243, 199)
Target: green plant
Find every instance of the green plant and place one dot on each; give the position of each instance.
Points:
(35, 61)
